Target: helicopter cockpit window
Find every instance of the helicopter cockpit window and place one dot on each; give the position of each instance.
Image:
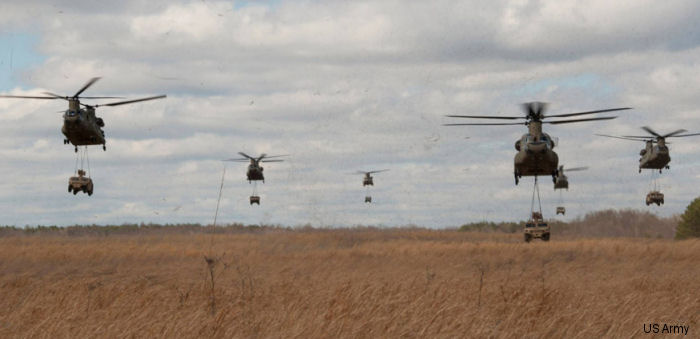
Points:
(72, 113)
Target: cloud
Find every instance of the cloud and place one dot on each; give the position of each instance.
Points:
(344, 86)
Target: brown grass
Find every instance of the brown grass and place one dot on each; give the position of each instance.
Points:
(344, 283)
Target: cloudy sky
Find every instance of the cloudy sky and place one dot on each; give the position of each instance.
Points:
(341, 86)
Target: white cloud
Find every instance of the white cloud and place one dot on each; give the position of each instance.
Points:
(342, 87)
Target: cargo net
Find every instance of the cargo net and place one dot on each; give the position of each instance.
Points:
(535, 189)
(82, 159)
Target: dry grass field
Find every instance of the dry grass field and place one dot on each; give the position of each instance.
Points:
(364, 283)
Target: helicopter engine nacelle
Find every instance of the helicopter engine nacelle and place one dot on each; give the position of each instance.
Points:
(517, 145)
(100, 122)
(642, 152)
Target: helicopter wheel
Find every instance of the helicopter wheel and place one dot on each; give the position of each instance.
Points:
(104, 147)
(640, 170)
(515, 174)
(76, 149)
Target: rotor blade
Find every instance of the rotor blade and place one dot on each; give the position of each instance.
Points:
(556, 122)
(651, 131)
(359, 172)
(236, 160)
(276, 160)
(28, 97)
(483, 117)
(488, 124)
(101, 97)
(576, 169)
(378, 171)
(685, 135)
(261, 156)
(132, 101)
(88, 84)
(275, 156)
(55, 95)
(674, 133)
(623, 137)
(246, 155)
(588, 112)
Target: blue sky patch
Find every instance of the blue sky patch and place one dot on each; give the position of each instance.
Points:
(17, 54)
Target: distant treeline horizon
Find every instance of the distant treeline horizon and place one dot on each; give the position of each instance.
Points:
(605, 223)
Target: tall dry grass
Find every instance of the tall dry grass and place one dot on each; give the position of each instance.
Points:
(344, 283)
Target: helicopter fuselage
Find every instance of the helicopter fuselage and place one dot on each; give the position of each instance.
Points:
(255, 173)
(367, 180)
(561, 182)
(535, 156)
(654, 156)
(81, 127)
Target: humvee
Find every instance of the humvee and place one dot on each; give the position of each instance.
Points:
(655, 197)
(561, 209)
(254, 199)
(81, 183)
(368, 199)
(536, 228)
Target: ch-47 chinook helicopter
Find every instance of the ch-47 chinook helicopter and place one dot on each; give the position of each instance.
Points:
(82, 127)
(368, 178)
(653, 157)
(535, 155)
(255, 171)
(561, 181)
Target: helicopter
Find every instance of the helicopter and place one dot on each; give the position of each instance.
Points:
(367, 180)
(535, 155)
(653, 157)
(255, 171)
(561, 181)
(81, 127)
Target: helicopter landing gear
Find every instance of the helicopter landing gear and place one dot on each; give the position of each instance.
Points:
(640, 170)
(76, 149)
(65, 141)
(517, 177)
(659, 171)
(668, 167)
(104, 147)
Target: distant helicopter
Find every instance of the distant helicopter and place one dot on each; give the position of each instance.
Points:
(561, 181)
(367, 180)
(653, 157)
(535, 155)
(82, 127)
(255, 171)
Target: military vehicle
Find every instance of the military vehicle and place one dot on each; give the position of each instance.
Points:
(255, 171)
(536, 228)
(80, 183)
(561, 210)
(653, 156)
(655, 197)
(254, 199)
(368, 199)
(81, 127)
(368, 179)
(562, 181)
(535, 155)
